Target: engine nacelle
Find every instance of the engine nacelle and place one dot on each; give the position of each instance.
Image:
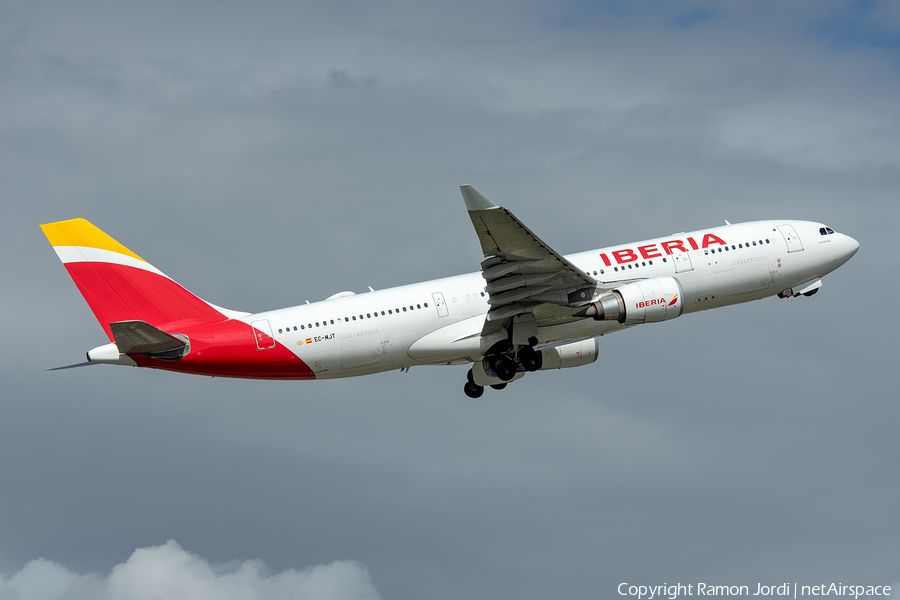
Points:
(574, 354)
(645, 301)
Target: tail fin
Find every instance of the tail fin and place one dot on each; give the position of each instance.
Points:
(119, 285)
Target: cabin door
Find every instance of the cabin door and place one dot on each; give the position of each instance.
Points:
(262, 331)
(790, 236)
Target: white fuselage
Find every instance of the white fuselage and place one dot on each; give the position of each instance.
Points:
(439, 321)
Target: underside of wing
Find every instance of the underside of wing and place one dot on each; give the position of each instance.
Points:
(523, 274)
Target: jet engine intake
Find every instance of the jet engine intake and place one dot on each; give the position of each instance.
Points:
(645, 301)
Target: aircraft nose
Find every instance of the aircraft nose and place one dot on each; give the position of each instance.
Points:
(852, 247)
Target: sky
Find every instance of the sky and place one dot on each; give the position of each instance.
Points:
(271, 153)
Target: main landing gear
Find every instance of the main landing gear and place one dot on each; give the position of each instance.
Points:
(504, 367)
(472, 389)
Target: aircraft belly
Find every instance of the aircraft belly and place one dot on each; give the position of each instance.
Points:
(455, 341)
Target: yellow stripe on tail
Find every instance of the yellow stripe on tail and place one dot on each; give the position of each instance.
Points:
(80, 232)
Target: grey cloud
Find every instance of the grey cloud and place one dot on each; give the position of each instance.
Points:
(340, 80)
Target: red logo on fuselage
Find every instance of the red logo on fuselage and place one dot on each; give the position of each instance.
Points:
(648, 251)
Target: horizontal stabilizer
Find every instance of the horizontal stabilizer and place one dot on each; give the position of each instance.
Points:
(81, 364)
(138, 337)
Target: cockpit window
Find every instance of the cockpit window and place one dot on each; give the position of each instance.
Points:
(822, 231)
(829, 230)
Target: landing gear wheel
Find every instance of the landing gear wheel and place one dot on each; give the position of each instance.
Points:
(504, 368)
(470, 377)
(531, 359)
(499, 386)
(472, 390)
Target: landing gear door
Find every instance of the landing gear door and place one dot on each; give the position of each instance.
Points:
(682, 261)
(790, 236)
(262, 331)
(439, 304)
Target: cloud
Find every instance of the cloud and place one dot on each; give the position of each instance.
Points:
(340, 80)
(170, 572)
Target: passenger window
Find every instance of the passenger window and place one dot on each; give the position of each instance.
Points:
(354, 318)
(404, 309)
(418, 306)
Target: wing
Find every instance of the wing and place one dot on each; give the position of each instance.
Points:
(523, 274)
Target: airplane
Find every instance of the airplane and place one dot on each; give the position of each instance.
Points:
(528, 309)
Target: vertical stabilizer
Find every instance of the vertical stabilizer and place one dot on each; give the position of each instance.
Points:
(119, 285)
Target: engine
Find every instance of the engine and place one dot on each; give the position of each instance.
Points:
(574, 354)
(645, 301)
